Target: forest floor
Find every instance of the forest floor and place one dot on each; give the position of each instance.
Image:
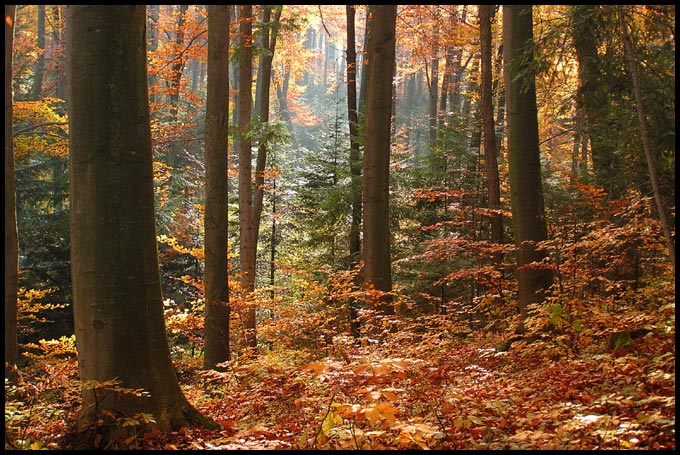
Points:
(430, 392)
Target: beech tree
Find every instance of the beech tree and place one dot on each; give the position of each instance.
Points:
(490, 152)
(646, 142)
(526, 186)
(217, 308)
(11, 240)
(264, 77)
(376, 167)
(247, 247)
(118, 308)
(354, 155)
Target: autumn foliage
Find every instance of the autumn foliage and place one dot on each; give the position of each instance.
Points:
(432, 383)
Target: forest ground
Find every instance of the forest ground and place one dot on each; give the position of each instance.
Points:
(435, 390)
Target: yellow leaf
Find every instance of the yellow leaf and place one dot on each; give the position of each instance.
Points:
(316, 367)
(391, 396)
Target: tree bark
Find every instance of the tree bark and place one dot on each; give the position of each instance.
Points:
(376, 168)
(434, 85)
(118, 308)
(216, 158)
(489, 133)
(58, 73)
(263, 85)
(39, 68)
(11, 240)
(245, 170)
(526, 187)
(354, 157)
(154, 15)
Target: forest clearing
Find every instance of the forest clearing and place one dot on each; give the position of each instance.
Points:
(328, 227)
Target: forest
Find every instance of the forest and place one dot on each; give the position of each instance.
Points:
(327, 227)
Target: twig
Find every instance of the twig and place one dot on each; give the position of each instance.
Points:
(322, 22)
(328, 411)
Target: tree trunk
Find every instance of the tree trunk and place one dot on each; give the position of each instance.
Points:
(376, 169)
(646, 143)
(177, 67)
(216, 152)
(282, 95)
(489, 133)
(245, 170)
(154, 15)
(526, 191)
(39, 68)
(263, 84)
(118, 308)
(58, 72)
(363, 87)
(434, 85)
(11, 240)
(354, 158)
(179, 61)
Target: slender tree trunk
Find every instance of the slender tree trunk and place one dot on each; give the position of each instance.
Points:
(39, 68)
(376, 168)
(262, 103)
(499, 91)
(446, 84)
(245, 170)
(489, 132)
(118, 308)
(281, 95)
(11, 241)
(354, 158)
(154, 15)
(58, 73)
(179, 62)
(526, 186)
(365, 69)
(355, 151)
(216, 163)
(646, 143)
(434, 84)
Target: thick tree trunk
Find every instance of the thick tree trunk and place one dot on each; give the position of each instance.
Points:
(489, 133)
(11, 241)
(376, 169)
(216, 141)
(245, 170)
(117, 300)
(526, 186)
